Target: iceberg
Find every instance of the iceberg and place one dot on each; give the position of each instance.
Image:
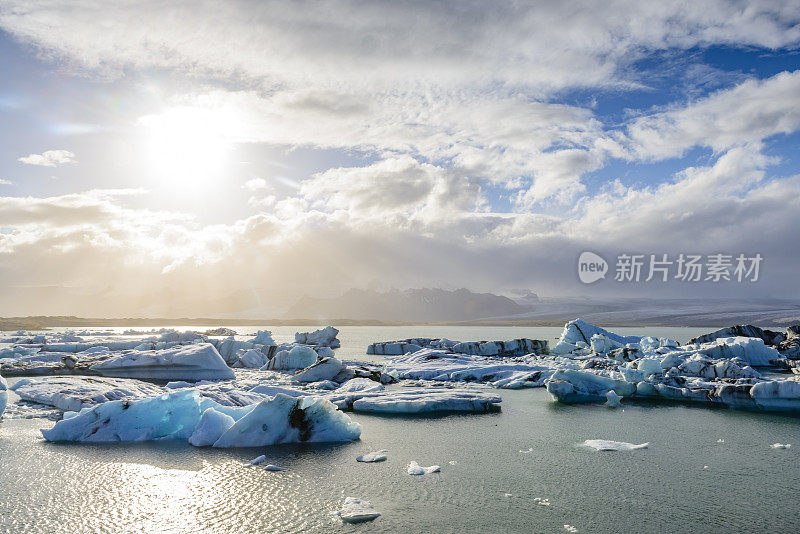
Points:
(767, 336)
(324, 337)
(263, 337)
(285, 419)
(415, 469)
(356, 511)
(780, 445)
(568, 385)
(749, 349)
(426, 400)
(325, 369)
(199, 361)
(299, 357)
(72, 394)
(503, 349)
(179, 415)
(253, 359)
(579, 333)
(210, 428)
(606, 445)
(375, 456)
(3, 395)
(171, 416)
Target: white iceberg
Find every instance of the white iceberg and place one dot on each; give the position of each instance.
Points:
(172, 416)
(780, 445)
(579, 333)
(613, 399)
(299, 357)
(199, 361)
(750, 349)
(287, 419)
(210, 428)
(420, 400)
(73, 393)
(606, 445)
(324, 337)
(253, 359)
(415, 469)
(263, 337)
(356, 511)
(325, 369)
(371, 457)
(178, 415)
(3, 395)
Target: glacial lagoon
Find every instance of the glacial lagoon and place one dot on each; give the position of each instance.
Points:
(705, 470)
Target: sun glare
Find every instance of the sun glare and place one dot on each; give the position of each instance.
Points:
(187, 146)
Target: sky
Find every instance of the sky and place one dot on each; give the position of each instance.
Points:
(213, 158)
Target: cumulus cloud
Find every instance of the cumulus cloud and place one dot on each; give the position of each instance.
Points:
(746, 113)
(443, 104)
(49, 158)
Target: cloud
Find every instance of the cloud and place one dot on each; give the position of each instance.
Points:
(6, 182)
(749, 112)
(255, 184)
(49, 158)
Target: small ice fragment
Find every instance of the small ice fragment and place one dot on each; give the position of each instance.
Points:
(570, 528)
(541, 502)
(272, 467)
(720, 440)
(356, 511)
(375, 456)
(415, 469)
(705, 467)
(781, 445)
(607, 445)
(452, 462)
(612, 399)
(529, 450)
(258, 460)
(508, 494)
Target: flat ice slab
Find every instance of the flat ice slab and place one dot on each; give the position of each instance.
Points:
(199, 361)
(415, 469)
(375, 456)
(356, 511)
(606, 445)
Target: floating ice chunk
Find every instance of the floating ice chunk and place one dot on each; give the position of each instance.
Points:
(750, 349)
(580, 332)
(569, 385)
(570, 528)
(527, 451)
(541, 501)
(324, 337)
(174, 415)
(415, 469)
(606, 445)
(601, 344)
(376, 456)
(426, 400)
(287, 419)
(263, 337)
(3, 395)
(272, 467)
(253, 359)
(258, 460)
(613, 399)
(781, 445)
(360, 384)
(211, 426)
(325, 369)
(356, 511)
(199, 361)
(73, 393)
(720, 440)
(299, 357)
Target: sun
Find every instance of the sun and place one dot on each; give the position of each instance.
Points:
(187, 146)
